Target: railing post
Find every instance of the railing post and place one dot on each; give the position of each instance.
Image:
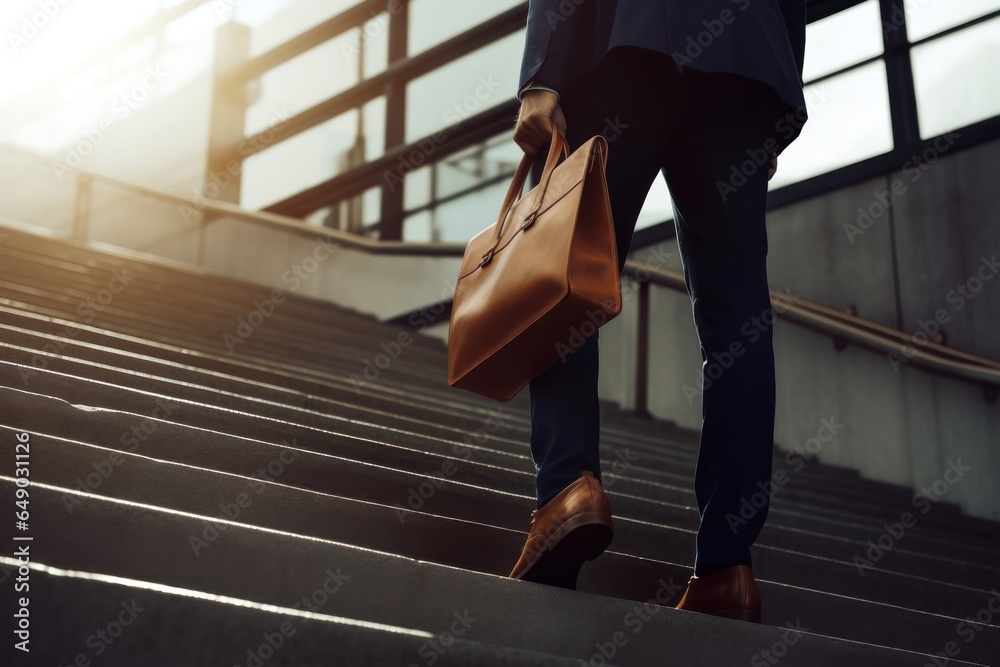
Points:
(81, 207)
(391, 226)
(899, 74)
(226, 120)
(642, 353)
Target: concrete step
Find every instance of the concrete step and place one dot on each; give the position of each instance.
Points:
(874, 494)
(279, 568)
(280, 505)
(107, 427)
(168, 626)
(179, 364)
(424, 435)
(67, 464)
(46, 258)
(150, 426)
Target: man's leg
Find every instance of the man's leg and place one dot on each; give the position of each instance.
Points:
(565, 419)
(722, 240)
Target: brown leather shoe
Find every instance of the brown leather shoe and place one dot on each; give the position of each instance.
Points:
(570, 529)
(730, 592)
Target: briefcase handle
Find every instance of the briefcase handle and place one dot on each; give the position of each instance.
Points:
(556, 147)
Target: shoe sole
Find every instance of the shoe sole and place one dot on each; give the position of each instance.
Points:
(584, 537)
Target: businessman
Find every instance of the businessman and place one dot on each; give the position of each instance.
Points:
(708, 93)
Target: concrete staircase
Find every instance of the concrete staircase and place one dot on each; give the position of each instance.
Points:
(205, 492)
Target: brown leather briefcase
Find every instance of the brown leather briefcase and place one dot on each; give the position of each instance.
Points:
(540, 280)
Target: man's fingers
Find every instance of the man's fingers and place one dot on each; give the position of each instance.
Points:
(528, 143)
(534, 124)
(532, 134)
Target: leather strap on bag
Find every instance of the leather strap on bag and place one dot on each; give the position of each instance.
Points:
(557, 146)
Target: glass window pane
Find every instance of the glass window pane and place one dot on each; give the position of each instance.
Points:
(955, 83)
(371, 206)
(435, 21)
(277, 21)
(490, 166)
(305, 80)
(657, 207)
(496, 159)
(417, 187)
(826, 48)
(464, 87)
(418, 228)
(848, 122)
(459, 220)
(375, 46)
(374, 128)
(318, 153)
(926, 17)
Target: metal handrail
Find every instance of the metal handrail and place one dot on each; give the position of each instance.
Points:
(866, 334)
(809, 311)
(889, 332)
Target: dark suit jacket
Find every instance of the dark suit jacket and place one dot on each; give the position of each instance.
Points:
(759, 39)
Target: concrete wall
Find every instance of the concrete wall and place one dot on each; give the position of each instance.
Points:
(901, 424)
(380, 285)
(33, 194)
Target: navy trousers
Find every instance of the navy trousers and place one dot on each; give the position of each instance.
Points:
(696, 128)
